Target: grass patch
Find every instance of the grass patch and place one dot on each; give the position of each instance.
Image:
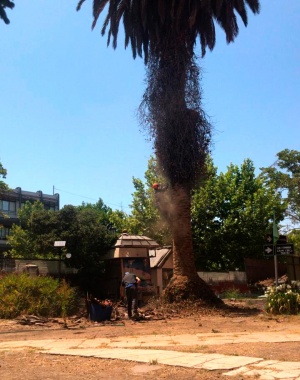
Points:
(232, 293)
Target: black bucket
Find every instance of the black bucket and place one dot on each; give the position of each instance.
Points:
(100, 313)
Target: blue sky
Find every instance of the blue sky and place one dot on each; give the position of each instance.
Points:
(68, 102)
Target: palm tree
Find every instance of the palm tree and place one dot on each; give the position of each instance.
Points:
(165, 33)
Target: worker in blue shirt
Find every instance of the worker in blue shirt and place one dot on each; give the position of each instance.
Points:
(130, 282)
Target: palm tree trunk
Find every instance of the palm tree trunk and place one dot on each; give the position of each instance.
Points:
(185, 283)
(183, 261)
(173, 100)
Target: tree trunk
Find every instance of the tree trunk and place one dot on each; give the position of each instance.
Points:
(181, 232)
(175, 205)
(174, 111)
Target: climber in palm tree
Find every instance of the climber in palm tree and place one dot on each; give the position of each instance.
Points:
(166, 33)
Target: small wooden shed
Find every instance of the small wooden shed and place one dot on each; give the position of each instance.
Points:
(129, 254)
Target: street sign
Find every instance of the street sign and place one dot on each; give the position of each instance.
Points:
(281, 249)
(268, 250)
(282, 239)
(269, 238)
(284, 249)
(59, 244)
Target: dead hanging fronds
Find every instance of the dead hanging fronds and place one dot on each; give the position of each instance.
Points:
(171, 112)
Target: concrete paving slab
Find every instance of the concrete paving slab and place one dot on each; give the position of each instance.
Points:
(200, 339)
(147, 341)
(45, 343)
(26, 343)
(97, 343)
(237, 371)
(280, 366)
(266, 363)
(230, 362)
(124, 354)
(189, 360)
(70, 351)
(196, 360)
(264, 373)
(144, 356)
(286, 374)
(283, 375)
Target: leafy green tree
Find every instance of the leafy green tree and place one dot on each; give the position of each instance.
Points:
(165, 32)
(21, 243)
(5, 4)
(86, 236)
(119, 222)
(285, 174)
(114, 220)
(28, 238)
(26, 212)
(3, 172)
(294, 238)
(35, 234)
(145, 219)
(103, 211)
(231, 215)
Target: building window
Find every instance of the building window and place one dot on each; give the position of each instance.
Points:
(4, 232)
(8, 207)
(5, 205)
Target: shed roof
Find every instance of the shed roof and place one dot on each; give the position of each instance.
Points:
(161, 255)
(136, 241)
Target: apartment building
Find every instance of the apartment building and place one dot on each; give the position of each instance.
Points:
(11, 201)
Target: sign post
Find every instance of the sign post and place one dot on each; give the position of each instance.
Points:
(59, 244)
(275, 238)
(279, 247)
(275, 265)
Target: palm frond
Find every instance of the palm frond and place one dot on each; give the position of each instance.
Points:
(148, 24)
(239, 5)
(79, 5)
(98, 7)
(193, 12)
(5, 4)
(3, 16)
(254, 5)
(161, 8)
(104, 26)
(206, 30)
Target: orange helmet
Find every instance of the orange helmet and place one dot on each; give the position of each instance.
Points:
(155, 186)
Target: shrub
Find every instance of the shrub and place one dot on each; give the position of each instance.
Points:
(41, 296)
(283, 299)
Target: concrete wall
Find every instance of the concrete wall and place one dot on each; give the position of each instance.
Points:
(217, 277)
(45, 267)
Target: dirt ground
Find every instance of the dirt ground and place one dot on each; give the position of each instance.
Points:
(243, 316)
